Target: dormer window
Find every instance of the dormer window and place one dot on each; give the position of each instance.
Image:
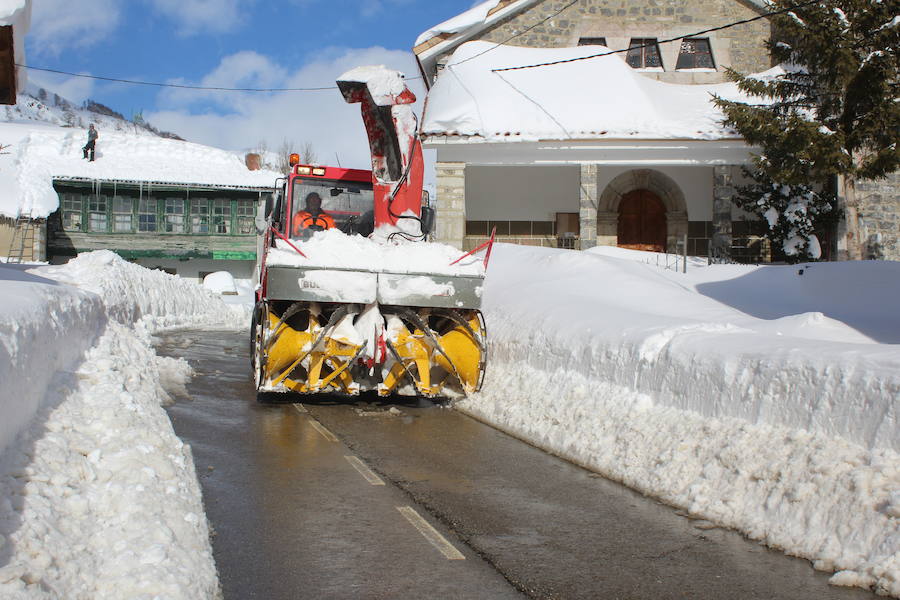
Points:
(592, 41)
(695, 54)
(643, 53)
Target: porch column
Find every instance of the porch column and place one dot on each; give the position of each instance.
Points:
(723, 193)
(588, 207)
(450, 217)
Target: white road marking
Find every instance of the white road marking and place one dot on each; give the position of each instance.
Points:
(431, 534)
(301, 409)
(321, 429)
(364, 470)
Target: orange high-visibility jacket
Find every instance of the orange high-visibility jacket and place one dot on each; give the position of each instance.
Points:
(303, 219)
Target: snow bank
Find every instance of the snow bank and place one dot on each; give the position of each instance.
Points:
(785, 429)
(475, 15)
(132, 293)
(44, 328)
(571, 100)
(98, 497)
(333, 249)
(101, 501)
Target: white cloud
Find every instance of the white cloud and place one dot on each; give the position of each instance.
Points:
(239, 121)
(196, 16)
(60, 24)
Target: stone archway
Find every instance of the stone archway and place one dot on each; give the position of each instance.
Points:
(659, 184)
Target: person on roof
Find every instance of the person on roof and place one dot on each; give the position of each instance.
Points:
(312, 217)
(91, 143)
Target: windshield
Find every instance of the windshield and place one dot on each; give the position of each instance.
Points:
(344, 204)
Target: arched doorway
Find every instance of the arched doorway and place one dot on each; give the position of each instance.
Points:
(642, 222)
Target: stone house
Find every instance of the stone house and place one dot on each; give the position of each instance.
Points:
(641, 186)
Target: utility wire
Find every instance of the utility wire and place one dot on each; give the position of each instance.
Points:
(674, 39)
(188, 87)
(515, 35)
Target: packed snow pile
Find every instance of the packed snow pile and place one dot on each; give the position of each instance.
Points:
(769, 412)
(475, 15)
(98, 497)
(333, 249)
(565, 101)
(45, 142)
(132, 293)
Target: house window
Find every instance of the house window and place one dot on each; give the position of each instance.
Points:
(72, 205)
(200, 216)
(221, 215)
(147, 215)
(592, 41)
(246, 213)
(174, 216)
(643, 53)
(123, 220)
(695, 54)
(97, 217)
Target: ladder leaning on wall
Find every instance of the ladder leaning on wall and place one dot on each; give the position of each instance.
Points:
(22, 238)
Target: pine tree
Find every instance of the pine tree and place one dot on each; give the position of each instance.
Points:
(832, 110)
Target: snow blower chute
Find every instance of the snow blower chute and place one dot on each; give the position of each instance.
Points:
(351, 296)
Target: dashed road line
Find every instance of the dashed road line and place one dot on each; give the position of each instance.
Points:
(364, 470)
(301, 409)
(321, 429)
(431, 534)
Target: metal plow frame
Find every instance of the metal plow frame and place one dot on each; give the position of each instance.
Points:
(303, 347)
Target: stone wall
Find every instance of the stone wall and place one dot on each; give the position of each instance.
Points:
(741, 47)
(450, 216)
(879, 217)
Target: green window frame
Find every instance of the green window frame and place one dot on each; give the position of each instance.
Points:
(173, 215)
(123, 214)
(72, 215)
(246, 217)
(221, 216)
(199, 216)
(98, 213)
(147, 217)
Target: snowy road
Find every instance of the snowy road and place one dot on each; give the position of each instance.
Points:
(294, 494)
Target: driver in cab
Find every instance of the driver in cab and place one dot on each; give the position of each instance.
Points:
(312, 218)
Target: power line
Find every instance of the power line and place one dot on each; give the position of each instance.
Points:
(674, 39)
(515, 35)
(187, 87)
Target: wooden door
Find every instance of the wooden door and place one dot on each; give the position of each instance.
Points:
(642, 222)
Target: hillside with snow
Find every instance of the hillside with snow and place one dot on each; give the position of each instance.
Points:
(43, 135)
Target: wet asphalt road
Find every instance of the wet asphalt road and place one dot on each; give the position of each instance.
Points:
(319, 500)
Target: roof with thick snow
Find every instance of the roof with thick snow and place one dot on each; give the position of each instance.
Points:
(40, 153)
(598, 98)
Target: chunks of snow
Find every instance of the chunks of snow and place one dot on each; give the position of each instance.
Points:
(384, 84)
(475, 15)
(333, 249)
(93, 480)
(726, 391)
(571, 100)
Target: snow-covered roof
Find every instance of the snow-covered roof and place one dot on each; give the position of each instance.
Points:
(42, 152)
(600, 98)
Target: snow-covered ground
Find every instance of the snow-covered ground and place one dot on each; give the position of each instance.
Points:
(98, 497)
(759, 398)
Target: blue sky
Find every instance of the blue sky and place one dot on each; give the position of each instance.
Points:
(244, 43)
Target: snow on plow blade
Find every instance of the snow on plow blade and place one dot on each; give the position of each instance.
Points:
(349, 331)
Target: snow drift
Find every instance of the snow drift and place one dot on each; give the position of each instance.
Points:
(784, 429)
(98, 496)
